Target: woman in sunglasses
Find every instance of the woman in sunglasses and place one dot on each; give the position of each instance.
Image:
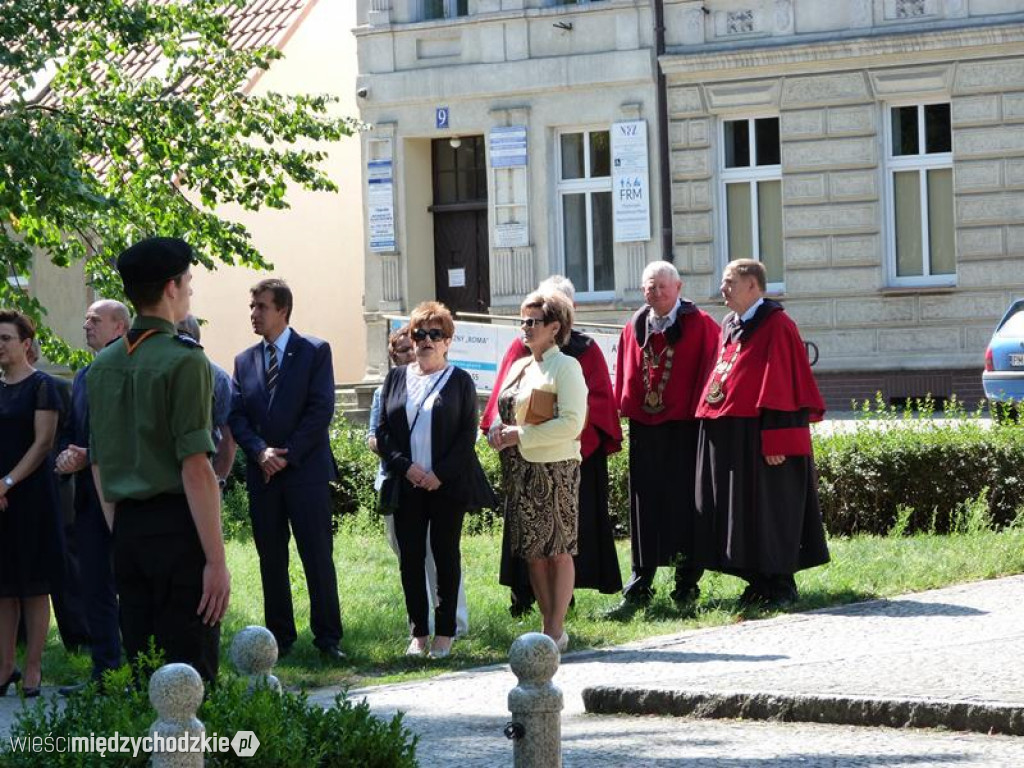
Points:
(425, 437)
(543, 407)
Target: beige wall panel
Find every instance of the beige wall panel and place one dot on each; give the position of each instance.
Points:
(1013, 107)
(692, 226)
(810, 315)
(987, 274)
(1015, 173)
(749, 95)
(691, 164)
(852, 121)
(991, 76)
(896, 310)
(803, 188)
(853, 185)
(856, 250)
(831, 219)
(975, 242)
(835, 344)
(684, 101)
(978, 176)
(825, 90)
(806, 252)
(1006, 208)
(917, 81)
(988, 142)
(975, 110)
(802, 124)
(920, 340)
(961, 306)
(829, 153)
(845, 280)
(1015, 241)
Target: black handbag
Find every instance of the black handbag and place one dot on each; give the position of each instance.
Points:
(390, 495)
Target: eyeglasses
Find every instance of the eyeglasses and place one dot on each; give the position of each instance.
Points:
(530, 322)
(435, 334)
(6, 337)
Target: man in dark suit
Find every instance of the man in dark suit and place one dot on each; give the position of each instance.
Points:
(282, 405)
(106, 321)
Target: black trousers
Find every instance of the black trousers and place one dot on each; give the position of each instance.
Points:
(98, 588)
(158, 567)
(419, 511)
(308, 509)
(69, 601)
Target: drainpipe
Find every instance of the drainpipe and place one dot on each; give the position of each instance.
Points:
(664, 169)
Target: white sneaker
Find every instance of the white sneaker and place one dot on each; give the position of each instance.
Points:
(563, 642)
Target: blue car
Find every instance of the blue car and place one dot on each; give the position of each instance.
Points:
(1003, 378)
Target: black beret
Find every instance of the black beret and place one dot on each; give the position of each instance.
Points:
(154, 260)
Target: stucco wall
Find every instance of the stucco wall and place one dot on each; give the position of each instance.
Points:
(316, 245)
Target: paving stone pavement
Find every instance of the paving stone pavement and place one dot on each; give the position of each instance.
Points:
(960, 644)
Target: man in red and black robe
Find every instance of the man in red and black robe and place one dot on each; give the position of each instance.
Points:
(757, 493)
(664, 355)
(596, 562)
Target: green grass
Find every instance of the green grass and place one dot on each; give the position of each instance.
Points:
(374, 615)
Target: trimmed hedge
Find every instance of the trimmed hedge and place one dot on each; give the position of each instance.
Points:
(899, 470)
(919, 475)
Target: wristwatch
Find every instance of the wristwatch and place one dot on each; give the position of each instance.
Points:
(9, 481)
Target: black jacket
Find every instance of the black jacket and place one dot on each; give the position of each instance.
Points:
(453, 432)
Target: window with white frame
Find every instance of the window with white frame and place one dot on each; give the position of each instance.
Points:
(444, 9)
(919, 186)
(585, 210)
(752, 193)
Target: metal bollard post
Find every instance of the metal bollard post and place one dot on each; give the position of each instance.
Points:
(535, 704)
(254, 653)
(176, 691)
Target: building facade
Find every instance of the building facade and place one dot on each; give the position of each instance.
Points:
(869, 152)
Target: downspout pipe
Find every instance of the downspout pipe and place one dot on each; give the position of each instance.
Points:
(664, 159)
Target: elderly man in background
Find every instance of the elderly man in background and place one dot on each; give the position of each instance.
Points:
(105, 321)
(756, 485)
(224, 443)
(665, 353)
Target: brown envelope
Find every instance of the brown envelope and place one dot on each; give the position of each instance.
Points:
(540, 407)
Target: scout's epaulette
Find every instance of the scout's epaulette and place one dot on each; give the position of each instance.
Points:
(134, 338)
(188, 341)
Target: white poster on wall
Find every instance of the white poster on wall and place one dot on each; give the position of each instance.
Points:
(511, 235)
(380, 204)
(478, 348)
(631, 187)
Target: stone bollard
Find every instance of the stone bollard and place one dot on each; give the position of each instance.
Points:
(254, 653)
(535, 704)
(176, 691)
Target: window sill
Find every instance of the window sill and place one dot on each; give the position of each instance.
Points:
(917, 290)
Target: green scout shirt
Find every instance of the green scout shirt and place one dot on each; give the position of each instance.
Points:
(148, 410)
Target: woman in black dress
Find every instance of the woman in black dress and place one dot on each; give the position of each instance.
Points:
(30, 544)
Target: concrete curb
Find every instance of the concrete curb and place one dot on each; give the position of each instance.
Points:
(980, 717)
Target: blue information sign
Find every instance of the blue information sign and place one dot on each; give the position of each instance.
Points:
(441, 117)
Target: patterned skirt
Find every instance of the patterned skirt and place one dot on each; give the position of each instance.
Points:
(541, 505)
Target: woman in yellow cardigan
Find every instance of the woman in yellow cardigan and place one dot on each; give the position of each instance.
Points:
(543, 407)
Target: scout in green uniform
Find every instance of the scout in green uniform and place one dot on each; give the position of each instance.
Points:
(149, 401)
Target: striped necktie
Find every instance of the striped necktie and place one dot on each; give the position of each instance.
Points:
(272, 368)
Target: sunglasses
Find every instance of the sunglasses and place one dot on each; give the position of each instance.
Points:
(531, 322)
(435, 334)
